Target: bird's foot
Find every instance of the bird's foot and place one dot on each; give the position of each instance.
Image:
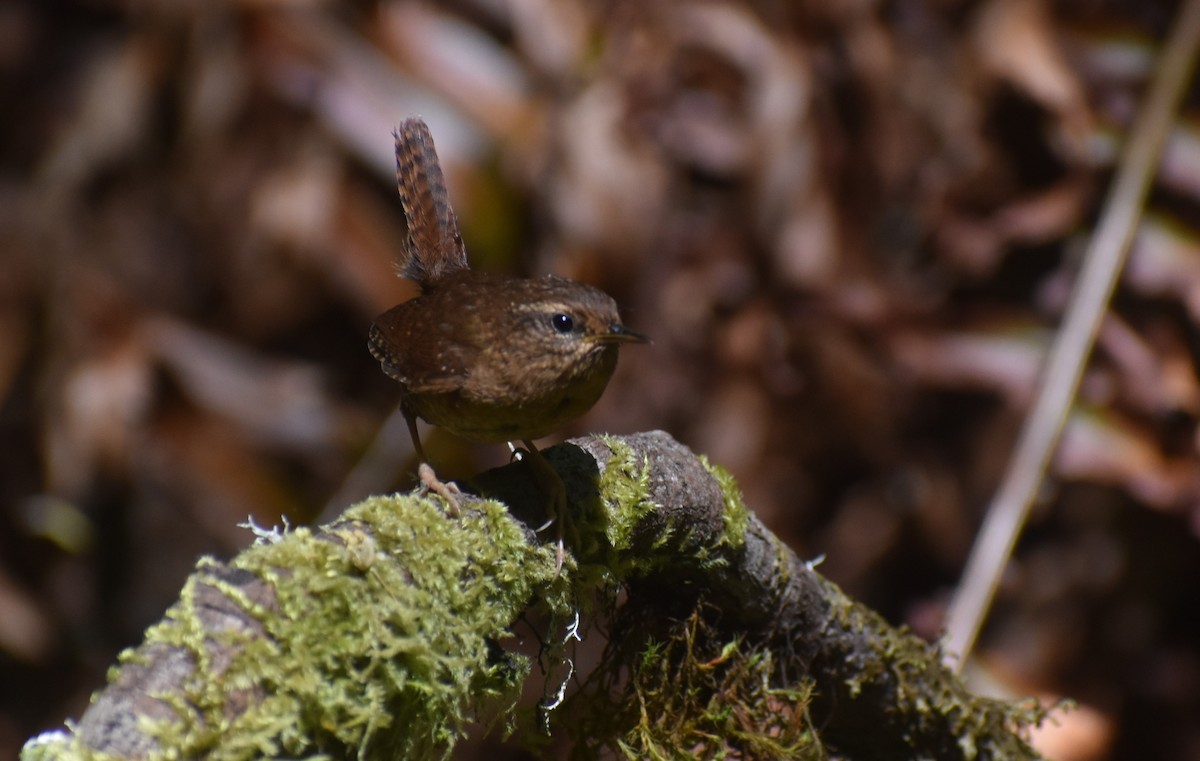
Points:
(447, 490)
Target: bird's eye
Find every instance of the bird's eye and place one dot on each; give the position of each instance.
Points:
(563, 323)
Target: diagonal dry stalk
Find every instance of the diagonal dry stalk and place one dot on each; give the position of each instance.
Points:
(1102, 264)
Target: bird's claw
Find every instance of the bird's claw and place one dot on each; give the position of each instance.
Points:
(447, 490)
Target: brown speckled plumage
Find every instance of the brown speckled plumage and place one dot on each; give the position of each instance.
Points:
(488, 357)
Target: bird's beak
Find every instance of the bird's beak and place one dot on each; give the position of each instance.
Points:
(618, 333)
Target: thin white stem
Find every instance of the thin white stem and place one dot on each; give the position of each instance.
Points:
(1101, 267)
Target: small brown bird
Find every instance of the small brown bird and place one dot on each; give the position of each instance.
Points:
(488, 357)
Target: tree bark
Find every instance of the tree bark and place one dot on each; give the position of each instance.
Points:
(378, 635)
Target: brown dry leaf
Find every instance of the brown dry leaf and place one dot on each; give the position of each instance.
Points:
(551, 35)
(294, 206)
(861, 534)
(1081, 733)
(1154, 380)
(1004, 358)
(25, 630)
(218, 474)
(1008, 359)
(855, 381)
(110, 117)
(215, 84)
(1164, 260)
(364, 247)
(96, 412)
(1078, 732)
(1047, 214)
(277, 402)
(1110, 58)
(322, 222)
(480, 77)
(978, 244)
(733, 432)
(974, 245)
(1017, 41)
(606, 191)
(753, 338)
(16, 326)
(762, 117)
(806, 253)
(1101, 447)
(316, 64)
(1179, 168)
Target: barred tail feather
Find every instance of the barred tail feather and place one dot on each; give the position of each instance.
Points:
(434, 248)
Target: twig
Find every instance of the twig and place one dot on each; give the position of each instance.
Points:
(382, 634)
(1102, 264)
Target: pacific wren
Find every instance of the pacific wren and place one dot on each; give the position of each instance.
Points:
(488, 357)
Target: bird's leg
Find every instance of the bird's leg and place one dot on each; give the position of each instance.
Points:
(429, 480)
(548, 477)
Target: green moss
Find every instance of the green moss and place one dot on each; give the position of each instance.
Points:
(380, 642)
(737, 515)
(692, 694)
(927, 694)
(605, 532)
(625, 491)
(360, 655)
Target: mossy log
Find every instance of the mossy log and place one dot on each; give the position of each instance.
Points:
(377, 635)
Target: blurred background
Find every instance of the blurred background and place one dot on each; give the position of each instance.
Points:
(849, 226)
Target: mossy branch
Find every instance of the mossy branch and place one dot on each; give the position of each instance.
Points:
(378, 636)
